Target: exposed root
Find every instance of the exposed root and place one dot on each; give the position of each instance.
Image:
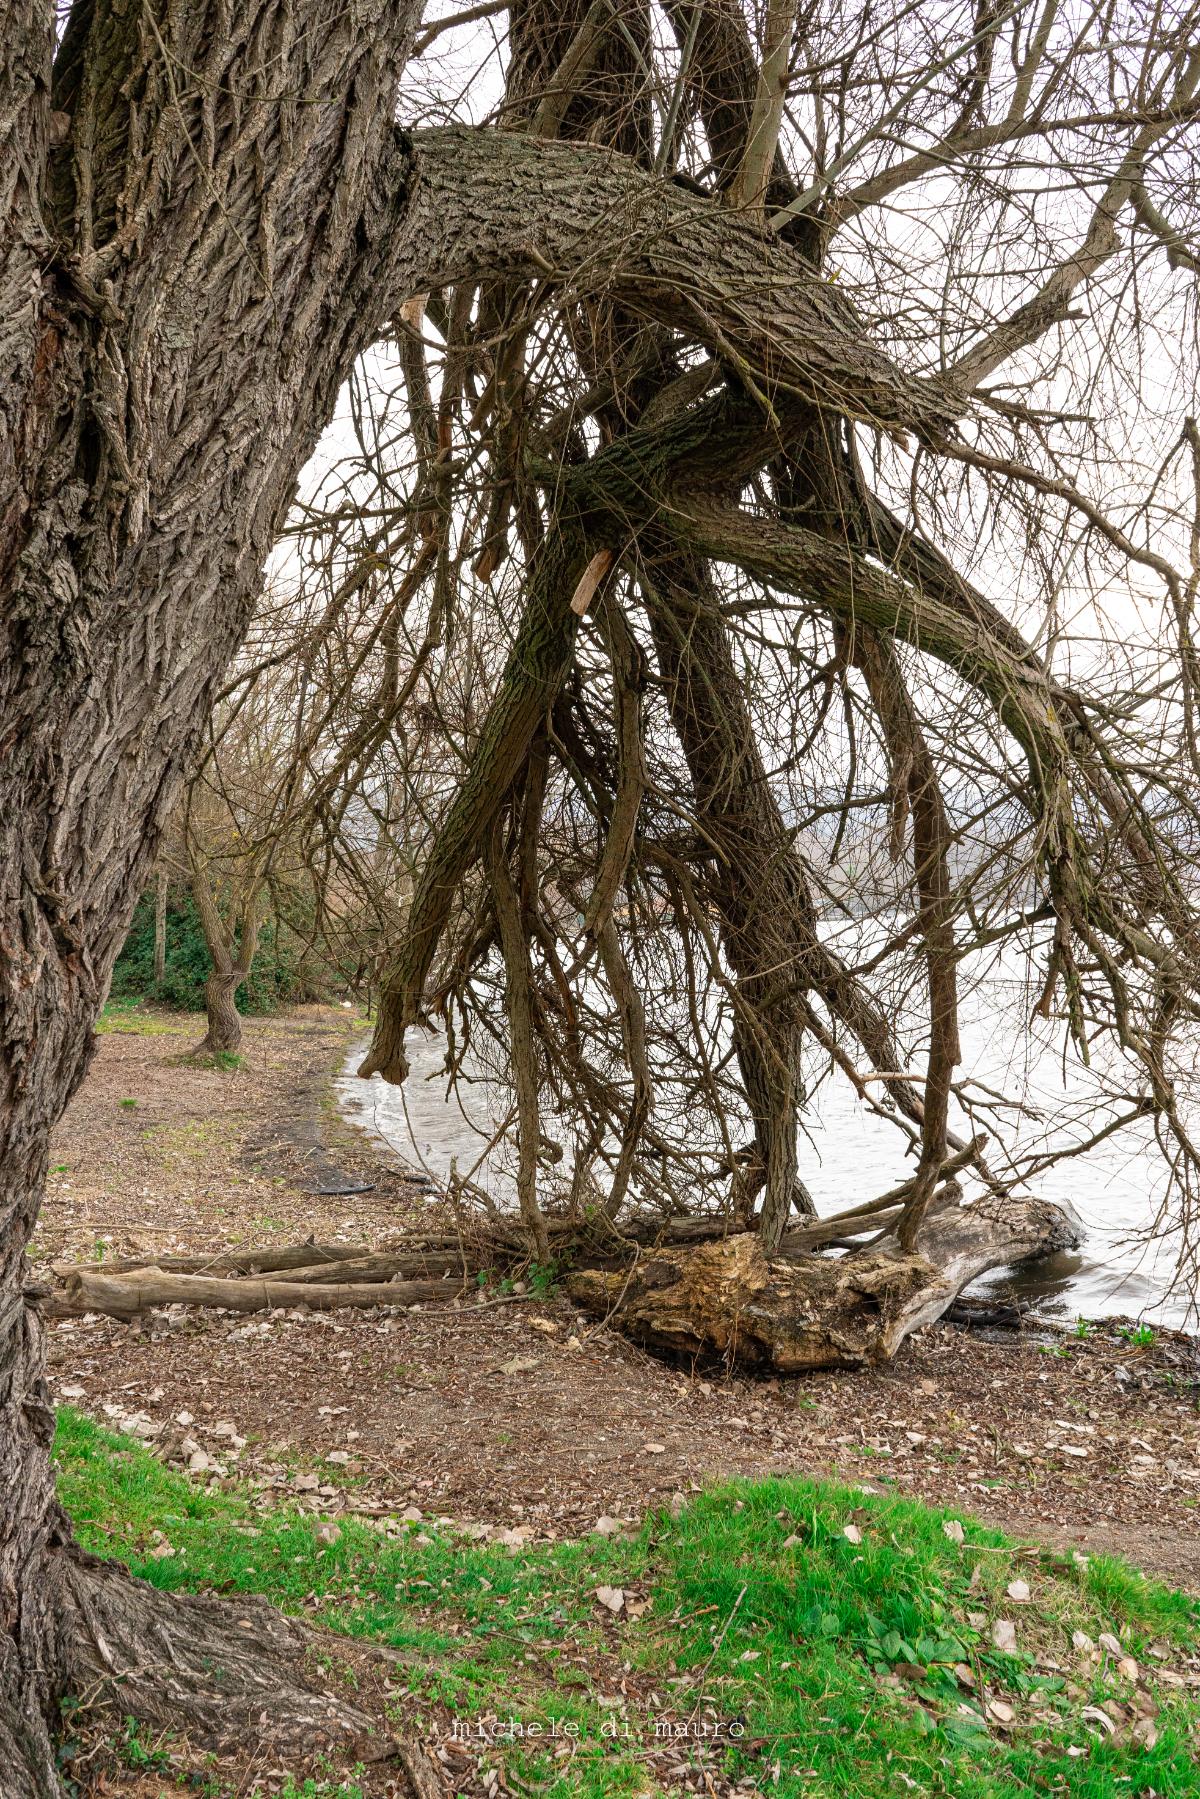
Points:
(223, 1673)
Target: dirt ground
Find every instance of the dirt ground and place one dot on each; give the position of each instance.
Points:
(520, 1415)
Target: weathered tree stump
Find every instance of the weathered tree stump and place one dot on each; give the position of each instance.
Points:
(728, 1299)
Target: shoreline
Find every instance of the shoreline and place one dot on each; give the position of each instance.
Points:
(523, 1416)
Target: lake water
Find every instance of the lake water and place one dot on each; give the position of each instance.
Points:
(848, 1155)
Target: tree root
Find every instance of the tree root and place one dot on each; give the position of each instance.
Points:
(223, 1674)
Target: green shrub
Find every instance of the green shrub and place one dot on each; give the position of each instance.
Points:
(280, 975)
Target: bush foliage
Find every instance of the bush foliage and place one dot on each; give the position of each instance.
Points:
(284, 970)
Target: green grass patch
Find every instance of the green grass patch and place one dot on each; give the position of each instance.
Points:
(762, 1637)
(125, 1017)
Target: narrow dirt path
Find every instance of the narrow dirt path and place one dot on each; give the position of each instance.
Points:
(519, 1416)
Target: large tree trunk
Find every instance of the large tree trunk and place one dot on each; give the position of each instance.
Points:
(224, 1033)
(173, 336)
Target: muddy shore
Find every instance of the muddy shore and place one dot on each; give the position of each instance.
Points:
(521, 1416)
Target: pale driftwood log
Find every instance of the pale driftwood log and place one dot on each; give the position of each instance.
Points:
(382, 1265)
(125, 1296)
(726, 1298)
(227, 1261)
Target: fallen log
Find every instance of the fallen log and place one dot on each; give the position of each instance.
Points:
(383, 1265)
(128, 1295)
(727, 1298)
(225, 1261)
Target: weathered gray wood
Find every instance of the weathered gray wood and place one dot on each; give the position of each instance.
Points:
(226, 1261)
(128, 1295)
(727, 1298)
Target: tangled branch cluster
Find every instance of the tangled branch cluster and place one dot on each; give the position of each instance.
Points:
(799, 525)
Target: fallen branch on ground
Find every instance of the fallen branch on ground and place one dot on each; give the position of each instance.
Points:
(128, 1295)
(231, 1261)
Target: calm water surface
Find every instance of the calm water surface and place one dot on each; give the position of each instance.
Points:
(848, 1155)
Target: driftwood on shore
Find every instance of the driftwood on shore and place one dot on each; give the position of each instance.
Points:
(667, 1285)
(809, 1311)
(130, 1294)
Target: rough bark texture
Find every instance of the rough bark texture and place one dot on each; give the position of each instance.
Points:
(730, 1299)
(223, 1674)
(184, 283)
(587, 216)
